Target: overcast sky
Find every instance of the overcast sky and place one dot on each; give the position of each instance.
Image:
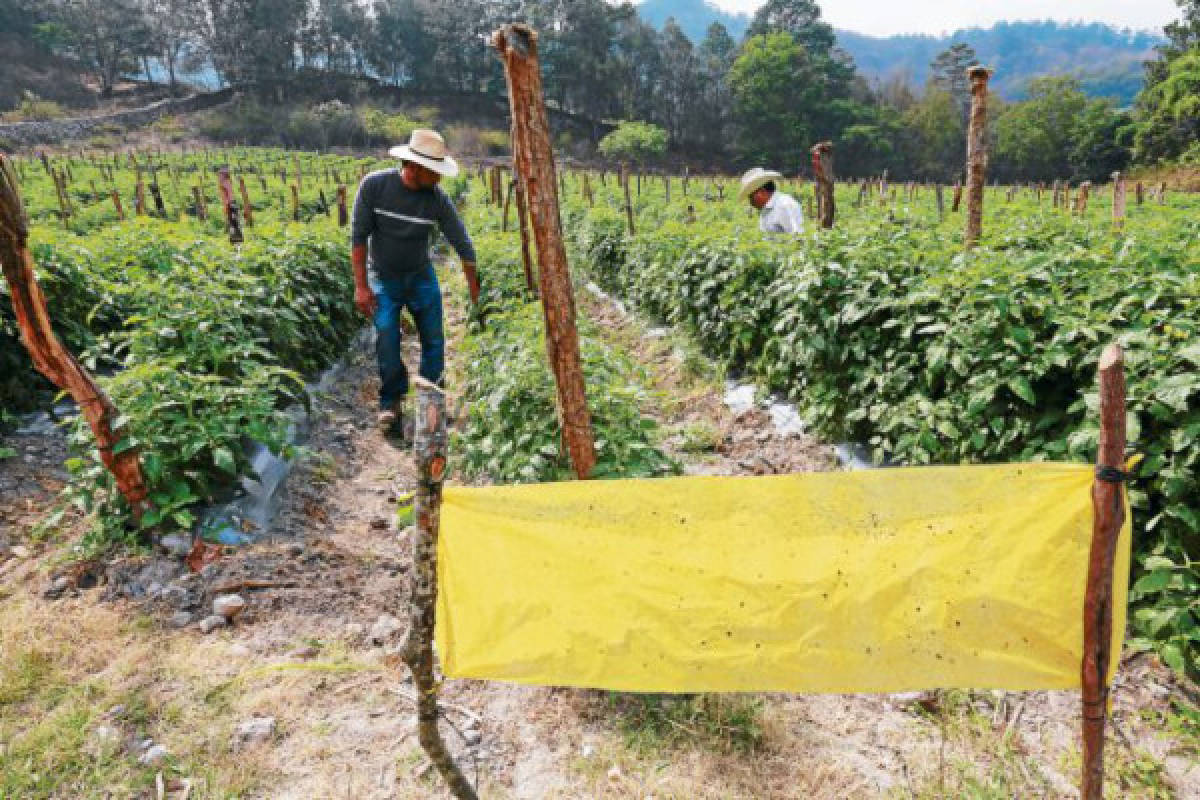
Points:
(883, 17)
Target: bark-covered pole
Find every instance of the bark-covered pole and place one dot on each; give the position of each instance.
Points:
(976, 153)
(233, 222)
(429, 446)
(517, 45)
(822, 162)
(49, 355)
(1108, 513)
(523, 213)
(1118, 206)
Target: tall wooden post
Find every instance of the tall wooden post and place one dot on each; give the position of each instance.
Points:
(233, 223)
(1108, 513)
(941, 201)
(822, 163)
(508, 195)
(49, 355)
(343, 217)
(976, 153)
(624, 181)
(429, 445)
(534, 161)
(956, 200)
(247, 212)
(523, 226)
(116, 199)
(1118, 207)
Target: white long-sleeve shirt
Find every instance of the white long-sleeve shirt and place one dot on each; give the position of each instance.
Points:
(781, 214)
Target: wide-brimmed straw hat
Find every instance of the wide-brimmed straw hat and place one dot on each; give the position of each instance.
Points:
(753, 179)
(427, 148)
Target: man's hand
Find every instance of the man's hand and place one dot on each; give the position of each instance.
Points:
(364, 300)
(472, 281)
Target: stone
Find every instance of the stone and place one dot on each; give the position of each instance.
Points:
(154, 589)
(175, 596)
(239, 650)
(384, 629)
(181, 619)
(105, 735)
(59, 587)
(257, 729)
(211, 623)
(355, 630)
(176, 544)
(20, 551)
(229, 605)
(154, 756)
(296, 549)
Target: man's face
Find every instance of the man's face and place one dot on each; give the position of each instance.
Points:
(759, 198)
(419, 177)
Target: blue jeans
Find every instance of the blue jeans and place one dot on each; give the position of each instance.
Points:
(422, 296)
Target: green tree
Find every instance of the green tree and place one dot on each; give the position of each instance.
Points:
(777, 101)
(106, 36)
(800, 18)
(935, 141)
(1170, 111)
(948, 72)
(715, 56)
(634, 141)
(1035, 138)
(1102, 139)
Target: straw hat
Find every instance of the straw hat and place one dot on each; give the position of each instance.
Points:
(427, 148)
(754, 179)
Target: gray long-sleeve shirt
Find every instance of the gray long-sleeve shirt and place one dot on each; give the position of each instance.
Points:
(395, 223)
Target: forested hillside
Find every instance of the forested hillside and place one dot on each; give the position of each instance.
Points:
(722, 101)
(1106, 60)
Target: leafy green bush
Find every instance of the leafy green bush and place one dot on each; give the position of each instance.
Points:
(885, 333)
(206, 347)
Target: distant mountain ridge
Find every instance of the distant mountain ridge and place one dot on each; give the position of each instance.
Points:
(1107, 60)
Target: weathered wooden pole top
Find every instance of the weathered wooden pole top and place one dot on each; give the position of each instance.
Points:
(515, 36)
(978, 73)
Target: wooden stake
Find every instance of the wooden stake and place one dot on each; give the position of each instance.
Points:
(956, 201)
(507, 202)
(429, 447)
(343, 217)
(517, 45)
(247, 212)
(1118, 207)
(198, 197)
(1108, 515)
(49, 355)
(139, 198)
(156, 195)
(976, 153)
(624, 181)
(116, 198)
(233, 223)
(822, 163)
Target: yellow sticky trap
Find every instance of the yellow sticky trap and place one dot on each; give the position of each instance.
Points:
(879, 581)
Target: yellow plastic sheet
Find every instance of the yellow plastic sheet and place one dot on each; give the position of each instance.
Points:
(877, 581)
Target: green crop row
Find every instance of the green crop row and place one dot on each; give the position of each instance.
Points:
(509, 430)
(885, 333)
(204, 346)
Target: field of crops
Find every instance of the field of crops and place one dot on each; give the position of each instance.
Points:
(203, 343)
(885, 333)
(881, 330)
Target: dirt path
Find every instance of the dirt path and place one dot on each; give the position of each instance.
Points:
(314, 653)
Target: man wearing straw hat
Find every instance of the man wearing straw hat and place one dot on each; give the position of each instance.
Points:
(395, 212)
(777, 212)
